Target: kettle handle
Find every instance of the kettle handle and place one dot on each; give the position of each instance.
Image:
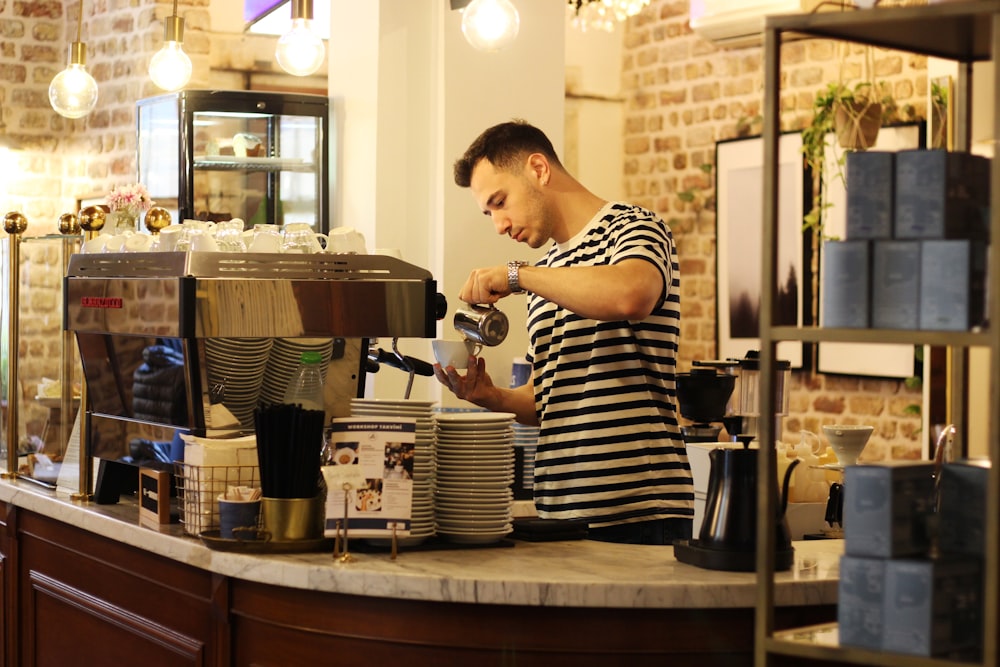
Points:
(784, 486)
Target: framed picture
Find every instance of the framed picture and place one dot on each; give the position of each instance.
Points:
(739, 189)
(874, 359)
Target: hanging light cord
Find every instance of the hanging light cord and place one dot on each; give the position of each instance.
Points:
(175, 7)
(79, 23)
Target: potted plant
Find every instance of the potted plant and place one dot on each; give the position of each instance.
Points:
(854, 115)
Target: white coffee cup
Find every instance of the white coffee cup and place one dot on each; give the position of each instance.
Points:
(95, 245)
(202, 241)
(266, 238)
(172, 238)
(115, 243)
(454, 353)
(346, 240)
(138, 242)
(300, 237)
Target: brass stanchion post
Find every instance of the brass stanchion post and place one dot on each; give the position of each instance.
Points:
(69, 225)
(14, 224)
(92, 220)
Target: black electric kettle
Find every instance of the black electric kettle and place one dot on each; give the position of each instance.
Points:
(728, 536)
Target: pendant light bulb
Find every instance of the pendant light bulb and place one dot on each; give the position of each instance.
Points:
(73, 91)
(170, 68)
(490, 25)
(300, 51)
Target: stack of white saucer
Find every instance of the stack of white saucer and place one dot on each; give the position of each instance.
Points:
(235, 372)
(475, 469)
(422, 507)
(283, 362)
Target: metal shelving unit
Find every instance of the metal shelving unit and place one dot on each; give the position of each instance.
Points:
(965, 32)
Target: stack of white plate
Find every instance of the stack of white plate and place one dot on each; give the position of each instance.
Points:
(283, 362)
(526, 439)
(422, 507)
(236, 368)
(475, 469)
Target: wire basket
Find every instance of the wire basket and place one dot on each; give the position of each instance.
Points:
(199, 488)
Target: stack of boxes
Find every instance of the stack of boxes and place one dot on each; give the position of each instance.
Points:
(906, 585)
(914, 253)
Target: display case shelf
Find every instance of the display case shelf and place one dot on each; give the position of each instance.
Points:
(890, 336)
(269, 164)
(965, 32)
(820, 642)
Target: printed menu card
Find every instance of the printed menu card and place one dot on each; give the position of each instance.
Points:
(371, 478)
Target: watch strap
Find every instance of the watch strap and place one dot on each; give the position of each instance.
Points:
(513, 277)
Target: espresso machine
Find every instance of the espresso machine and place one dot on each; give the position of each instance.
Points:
(193, 341)
(728, 535)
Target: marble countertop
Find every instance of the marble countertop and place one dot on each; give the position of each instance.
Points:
(579, 573)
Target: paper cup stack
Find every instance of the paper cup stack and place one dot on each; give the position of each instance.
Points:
(422, 508)
(475, 469)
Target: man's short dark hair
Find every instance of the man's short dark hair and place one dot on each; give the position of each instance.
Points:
(505, 146)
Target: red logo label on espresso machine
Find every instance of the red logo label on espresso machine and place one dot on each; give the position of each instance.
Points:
(101, 301)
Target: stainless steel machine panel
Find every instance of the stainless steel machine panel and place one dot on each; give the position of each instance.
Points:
(209, 295)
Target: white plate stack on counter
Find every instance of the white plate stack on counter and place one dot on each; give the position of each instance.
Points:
(475, 469)
(422, 508)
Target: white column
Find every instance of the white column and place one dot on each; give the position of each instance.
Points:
(409, 95)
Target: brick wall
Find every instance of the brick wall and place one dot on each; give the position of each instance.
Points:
(683, 94)
(62, 159)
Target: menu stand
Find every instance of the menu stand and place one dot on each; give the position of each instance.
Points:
(346, 556)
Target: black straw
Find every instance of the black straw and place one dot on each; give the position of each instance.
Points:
(289, 447)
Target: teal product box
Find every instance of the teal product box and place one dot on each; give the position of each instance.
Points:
(870, 181)
(962, 507)
(895, 285)
(845, 284)
(933, 607)
(952, 285)
(860, 601)
(887, 507)
(941, 195)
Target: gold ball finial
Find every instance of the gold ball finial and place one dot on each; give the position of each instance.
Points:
(15, 223)
(92, 218)
(156, 219)
(69, 224)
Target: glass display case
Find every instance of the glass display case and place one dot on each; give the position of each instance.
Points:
(217, 155)
(46, 396)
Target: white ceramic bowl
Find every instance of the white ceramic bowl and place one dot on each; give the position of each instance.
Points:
(454, 353)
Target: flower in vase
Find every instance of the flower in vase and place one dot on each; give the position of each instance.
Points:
(129, 200)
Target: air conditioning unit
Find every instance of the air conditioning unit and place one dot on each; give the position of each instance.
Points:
(738, 23)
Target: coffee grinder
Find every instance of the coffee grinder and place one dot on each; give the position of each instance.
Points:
(728, 536)
(703, 398)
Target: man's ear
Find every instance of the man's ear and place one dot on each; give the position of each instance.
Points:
(538, 165)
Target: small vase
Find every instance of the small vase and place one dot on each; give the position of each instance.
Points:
(123, 221)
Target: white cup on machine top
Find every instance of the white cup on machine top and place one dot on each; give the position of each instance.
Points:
(301, 238)
(266, 238)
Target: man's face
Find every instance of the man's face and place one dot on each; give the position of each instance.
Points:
(515, 201)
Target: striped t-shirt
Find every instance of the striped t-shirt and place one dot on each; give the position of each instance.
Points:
(609, 446)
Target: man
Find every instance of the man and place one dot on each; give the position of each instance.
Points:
(603, 321)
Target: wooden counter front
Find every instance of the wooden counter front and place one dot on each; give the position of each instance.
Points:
(95, 589)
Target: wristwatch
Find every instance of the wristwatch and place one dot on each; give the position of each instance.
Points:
(513, 269)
